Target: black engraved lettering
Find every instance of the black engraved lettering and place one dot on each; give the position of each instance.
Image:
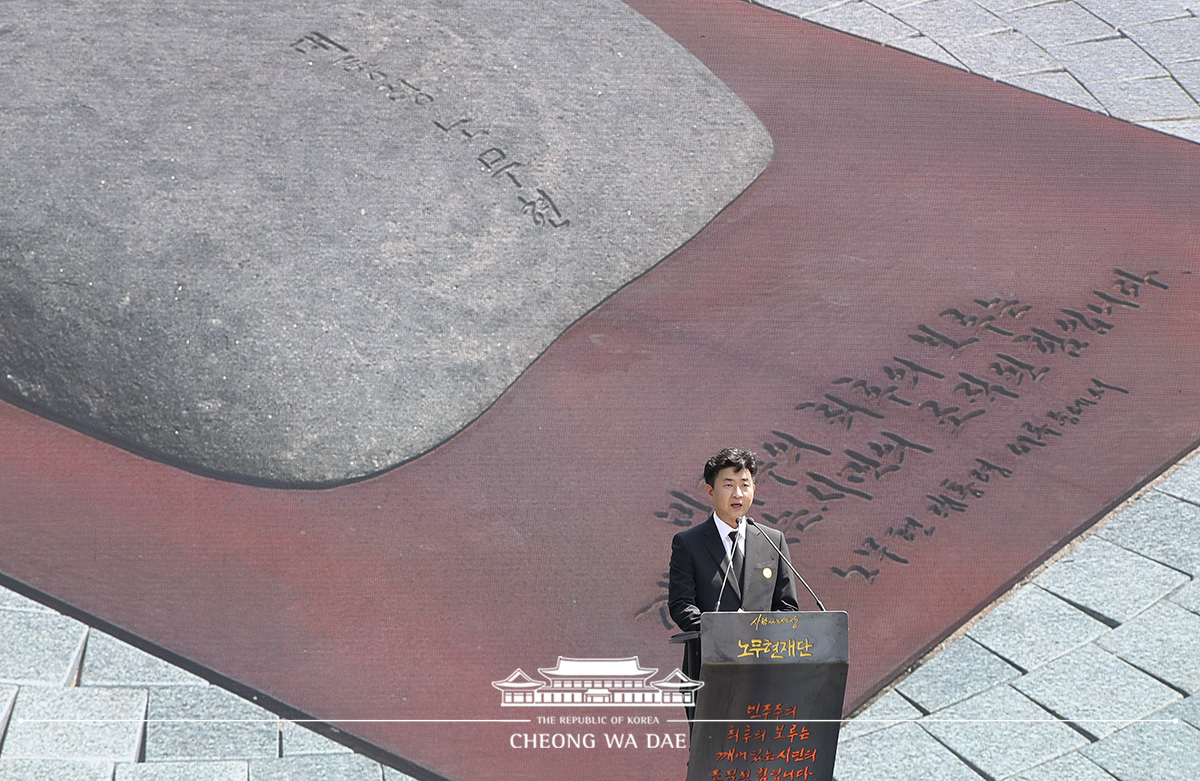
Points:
(855, 569)
(840, 488)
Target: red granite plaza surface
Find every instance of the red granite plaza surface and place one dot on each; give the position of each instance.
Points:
(959, 321)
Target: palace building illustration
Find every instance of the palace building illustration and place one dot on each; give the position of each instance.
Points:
(593, 682)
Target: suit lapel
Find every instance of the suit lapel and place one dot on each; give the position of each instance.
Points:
(716, 549)
(759, 554)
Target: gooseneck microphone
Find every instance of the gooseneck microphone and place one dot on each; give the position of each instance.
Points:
(786, 561)
(728, 561)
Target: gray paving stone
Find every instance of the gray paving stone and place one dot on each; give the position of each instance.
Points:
(1000, 54)
(1164, 641)
(297, 739)
(183, 771)
(1033, 626)
(1168, 42)
(985, 729)
(1188, 597)
(8, 695)
(1187, 709)
(1188, 76)
(999, 7)
(962, 669)
(1188, 129)
(1068, 767)
(331, 767)
(1124, 13)
(391, 774)
(1161, 528)
(108, 661)
(904, 746)
(800, 8)
(883, 713)
(1110, 580)
(945, 20)
(11, 600)
(88, 724)
(1184, 482)
(1095, 690)
(39, 648)
(863, 19)
(54, 770)
(1059, 85)
(925, 46)
(194, 722)
(300, 309)
(1057, 23)
(1108, 60)
(1150, 752)
(1145, 99)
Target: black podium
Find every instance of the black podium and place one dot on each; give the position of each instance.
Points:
(772, 695)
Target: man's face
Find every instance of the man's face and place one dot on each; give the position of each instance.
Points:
(731, 494)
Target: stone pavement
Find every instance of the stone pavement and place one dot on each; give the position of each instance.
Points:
(77, 704)
(1137, 60)
(1088, 670)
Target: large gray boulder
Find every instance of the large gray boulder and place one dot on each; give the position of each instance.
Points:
(299, 242)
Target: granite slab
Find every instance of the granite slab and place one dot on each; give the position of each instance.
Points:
(8, 695)
(1188, 596)
(950, 19)
(1145, 100)
(108, 661)
(1171, 41)
(391, 774)
(297, 739)
(983, 729)
(199, 770)
(1109, 580)
(55, 770)
(1095, 690)
(885, 712)
(300, 243)
(39, 648)
(1159, 527)
(340, 767)
(1184, 481)
(11, 600)
(1032, 627)
(1164, 641)
(1073, 766)
(1187, 709)
(1150, 752)
(92, 724)
(1126, 13)
(192, 722)
(904, 746)
(1051, 24)
(1108, 59)
(962, 669)
(1059, 85)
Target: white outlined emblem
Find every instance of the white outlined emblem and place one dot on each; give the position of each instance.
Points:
(597, 682)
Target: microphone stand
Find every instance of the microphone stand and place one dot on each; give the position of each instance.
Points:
(786, 561)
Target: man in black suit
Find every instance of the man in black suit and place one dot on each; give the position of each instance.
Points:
(706, 559)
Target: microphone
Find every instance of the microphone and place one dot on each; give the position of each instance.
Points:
(786, 561)
(728, 566)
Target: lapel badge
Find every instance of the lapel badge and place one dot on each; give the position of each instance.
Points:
(767, 572)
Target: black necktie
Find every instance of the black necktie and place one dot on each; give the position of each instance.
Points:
(738, 559)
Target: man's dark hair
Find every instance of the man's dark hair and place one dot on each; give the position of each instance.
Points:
(730, 456)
